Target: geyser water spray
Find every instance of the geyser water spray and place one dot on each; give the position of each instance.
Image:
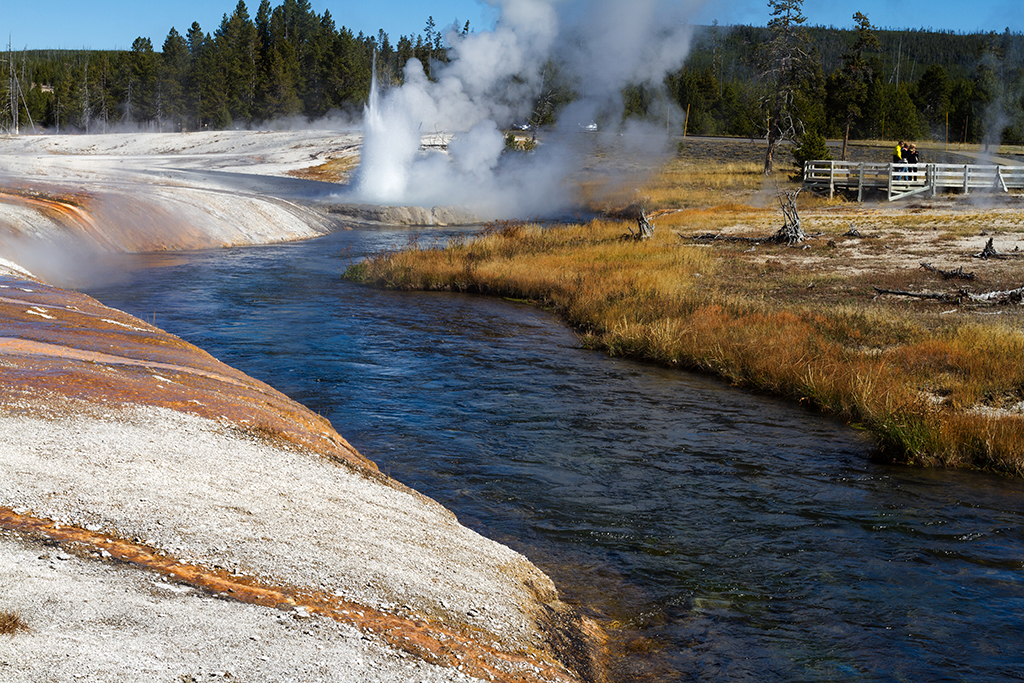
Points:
(492, 80)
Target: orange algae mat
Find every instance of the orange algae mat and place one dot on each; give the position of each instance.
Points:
(430, 641)
(57, 342)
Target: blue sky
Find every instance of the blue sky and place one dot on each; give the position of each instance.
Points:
(113, 24)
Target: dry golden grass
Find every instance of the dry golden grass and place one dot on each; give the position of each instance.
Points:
(932, 389)
(684, 184)
(11, 623)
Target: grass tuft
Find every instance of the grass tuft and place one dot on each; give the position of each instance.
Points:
(11, 622)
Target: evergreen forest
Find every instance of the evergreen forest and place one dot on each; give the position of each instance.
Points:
(287, 61)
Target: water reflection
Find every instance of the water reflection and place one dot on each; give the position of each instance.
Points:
(728, 536)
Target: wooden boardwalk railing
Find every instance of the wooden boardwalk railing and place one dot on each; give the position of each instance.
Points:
(902, 180)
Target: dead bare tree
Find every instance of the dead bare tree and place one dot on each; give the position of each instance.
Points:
(636, 211)
(989, 251)
(791, 231)
(644, 229)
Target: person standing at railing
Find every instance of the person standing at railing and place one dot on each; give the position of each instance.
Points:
(897, 159)
(912, 160)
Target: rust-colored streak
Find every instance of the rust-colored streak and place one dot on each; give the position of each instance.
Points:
(431, 641)
(22, 347)
(60, 342)
(113, 223)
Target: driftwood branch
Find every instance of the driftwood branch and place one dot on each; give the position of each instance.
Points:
(957, 274)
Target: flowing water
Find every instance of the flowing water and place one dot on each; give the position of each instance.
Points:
(721, 536)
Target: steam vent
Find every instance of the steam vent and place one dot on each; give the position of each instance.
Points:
(168, 518)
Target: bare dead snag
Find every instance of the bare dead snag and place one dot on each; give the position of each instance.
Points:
(791, 231)
(989, 251)
(957, 274)
(644, 229)
(637, 212)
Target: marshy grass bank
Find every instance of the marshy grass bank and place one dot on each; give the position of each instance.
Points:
(936, 383)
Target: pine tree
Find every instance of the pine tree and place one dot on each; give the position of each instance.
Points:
(141, 101)
(174, 62)
(236, 44)
(786, 67)
(932, 96)
(849, 86)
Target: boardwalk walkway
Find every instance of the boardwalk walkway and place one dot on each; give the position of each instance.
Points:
(899, 180)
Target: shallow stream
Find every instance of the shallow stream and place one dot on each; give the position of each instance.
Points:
(721, 536)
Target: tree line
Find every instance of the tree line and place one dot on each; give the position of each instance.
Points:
(286, 61)
(864, 83)
(289, 61)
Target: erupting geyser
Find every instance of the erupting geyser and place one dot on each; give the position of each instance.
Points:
(389, 148)
(492, 80)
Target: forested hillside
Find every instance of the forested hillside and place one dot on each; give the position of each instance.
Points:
(286, 61)
(917, 80)
(289, 61)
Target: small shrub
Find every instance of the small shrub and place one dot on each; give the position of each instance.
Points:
(514, 144)
(813, 148)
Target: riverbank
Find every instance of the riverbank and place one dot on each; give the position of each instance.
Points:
(166, 517)
(936, 381)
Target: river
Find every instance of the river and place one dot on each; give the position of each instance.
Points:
(719, 535)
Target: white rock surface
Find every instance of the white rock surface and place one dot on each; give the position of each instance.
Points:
(207, 493)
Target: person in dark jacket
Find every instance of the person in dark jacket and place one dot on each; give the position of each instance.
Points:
(912, 159)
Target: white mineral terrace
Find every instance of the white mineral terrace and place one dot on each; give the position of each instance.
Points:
(149, 532)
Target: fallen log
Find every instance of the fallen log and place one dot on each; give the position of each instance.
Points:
(934, 296)
(719, 237)
(1009, 296)
(962, 296)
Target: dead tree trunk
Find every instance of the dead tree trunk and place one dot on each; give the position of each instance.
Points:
(791, 231)
(644, 229)
(989, 251)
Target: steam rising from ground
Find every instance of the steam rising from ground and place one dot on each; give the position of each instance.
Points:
(493, 79)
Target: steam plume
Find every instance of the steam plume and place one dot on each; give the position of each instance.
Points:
(492, 80)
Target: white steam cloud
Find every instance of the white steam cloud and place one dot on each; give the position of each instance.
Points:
(492, 81)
